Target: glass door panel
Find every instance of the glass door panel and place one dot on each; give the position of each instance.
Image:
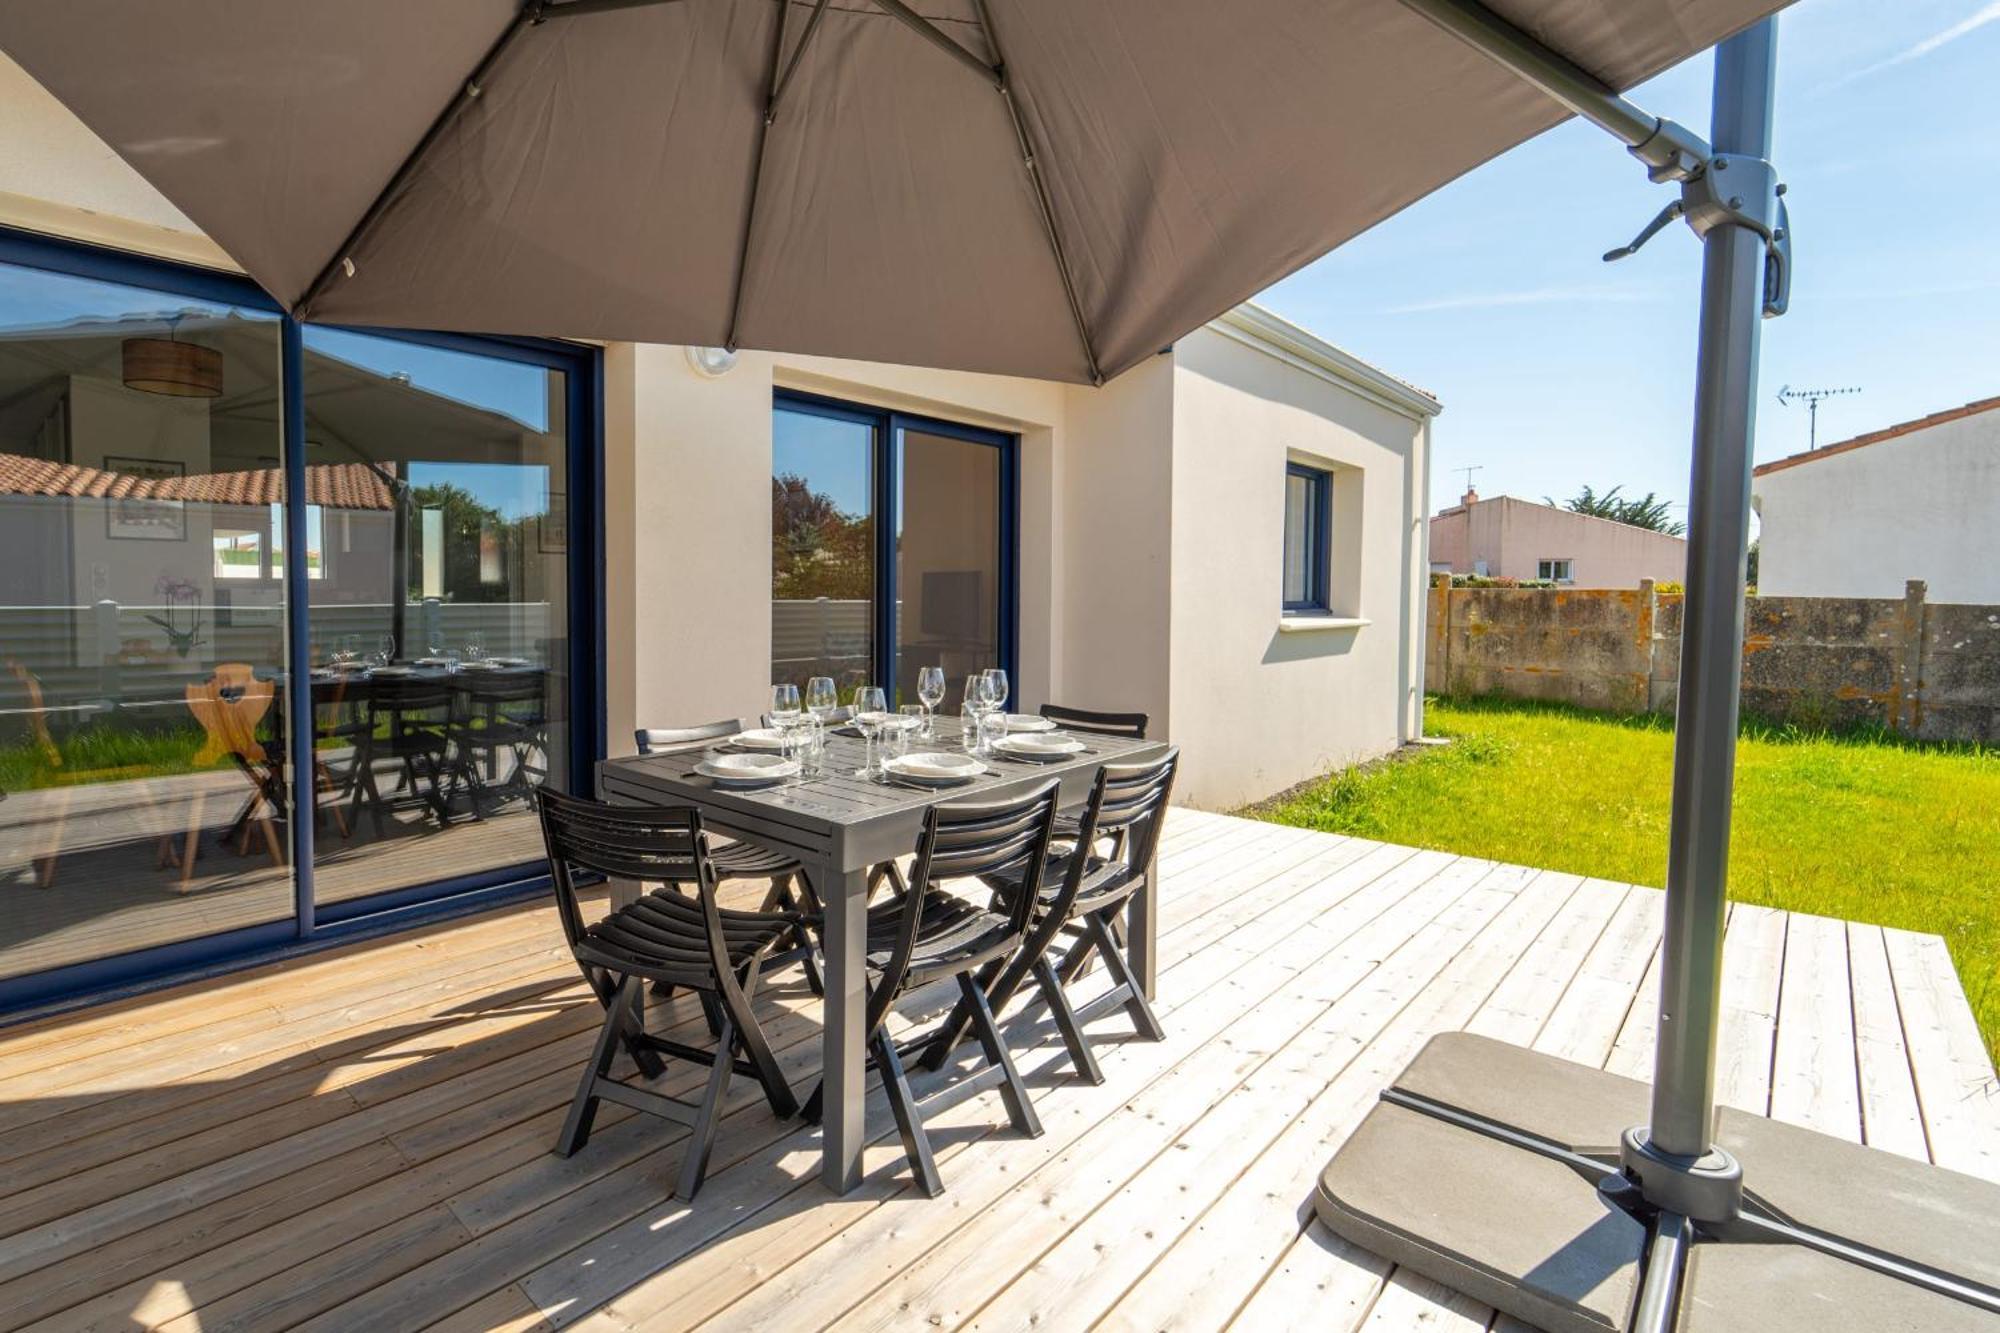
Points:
(823, 560)
(142, 622)
(437, 564)
(948, 560)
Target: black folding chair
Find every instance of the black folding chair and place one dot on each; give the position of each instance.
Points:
(670, 938)
(1081, 896)
(504, 715)
(1132, 726)
(930, 934)
(412, 723)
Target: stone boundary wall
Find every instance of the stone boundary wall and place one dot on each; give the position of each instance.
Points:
(1928, 670)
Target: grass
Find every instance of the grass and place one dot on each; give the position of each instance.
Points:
(1867, 826)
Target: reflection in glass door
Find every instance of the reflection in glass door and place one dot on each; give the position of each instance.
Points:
(143, 791)
(823, 540)
(440, 624)
(891, 547)
(949, 572)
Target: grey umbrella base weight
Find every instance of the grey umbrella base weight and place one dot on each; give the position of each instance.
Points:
(1527, 1234)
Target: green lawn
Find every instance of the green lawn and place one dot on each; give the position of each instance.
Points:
(1862, 827)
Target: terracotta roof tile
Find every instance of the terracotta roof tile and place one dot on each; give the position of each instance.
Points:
(1886, 433)
(334, 485)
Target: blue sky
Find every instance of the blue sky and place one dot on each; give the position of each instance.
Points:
(1557, 369)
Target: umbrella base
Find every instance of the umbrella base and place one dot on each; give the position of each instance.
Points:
(1479, 1168)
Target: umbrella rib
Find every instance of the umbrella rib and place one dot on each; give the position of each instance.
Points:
(996, 74)
(780, 80)
(1043, 202)
(531, 15)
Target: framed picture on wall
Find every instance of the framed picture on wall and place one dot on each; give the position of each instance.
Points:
(554, 525)
(145, 518)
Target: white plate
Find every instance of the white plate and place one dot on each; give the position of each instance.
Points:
(759, 738)
(1027, 722)
(1039, 745)
(743, 770)
(935, 766)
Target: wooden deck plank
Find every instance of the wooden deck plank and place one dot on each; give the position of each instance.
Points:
(1890, 1117)
(360, 1138)
(1814, 1079)
(1956, 1088)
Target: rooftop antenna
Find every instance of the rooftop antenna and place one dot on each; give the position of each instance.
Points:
(1811, 398)
(1468, 471)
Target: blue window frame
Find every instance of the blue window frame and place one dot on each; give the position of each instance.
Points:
(578, 669)
(1308, 529)
(900, 614)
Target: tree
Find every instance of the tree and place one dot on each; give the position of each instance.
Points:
(816, 549)
(470, 525)
(1649, 511)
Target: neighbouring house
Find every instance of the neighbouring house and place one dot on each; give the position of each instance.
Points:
(1503, 537)
(1229, 538)
(1918, 500)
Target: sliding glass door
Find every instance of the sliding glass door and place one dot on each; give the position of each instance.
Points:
(892, 547)
(291, 625)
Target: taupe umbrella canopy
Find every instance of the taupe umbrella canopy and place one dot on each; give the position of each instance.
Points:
(616, 175)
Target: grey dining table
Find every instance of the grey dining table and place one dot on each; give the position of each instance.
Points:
(838, 826)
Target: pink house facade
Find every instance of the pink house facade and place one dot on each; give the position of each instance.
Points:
(1508, 538)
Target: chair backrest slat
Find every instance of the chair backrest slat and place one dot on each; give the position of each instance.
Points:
(1132, 725)
(1128, 800)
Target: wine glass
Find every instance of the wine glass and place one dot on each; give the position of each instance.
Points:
(871, 710)
(996, 687)
(930, 689)
(385, 650)
(436, 643)
(475, 646)
(821, 697)
(910, 719)
(978, 708)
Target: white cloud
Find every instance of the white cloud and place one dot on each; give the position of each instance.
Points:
(1589, 295)
(1989, 13)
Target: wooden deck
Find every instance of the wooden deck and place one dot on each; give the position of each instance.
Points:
(360, 1139)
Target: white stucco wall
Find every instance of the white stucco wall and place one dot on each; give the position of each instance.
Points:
(1258, 706)
(1860, 521)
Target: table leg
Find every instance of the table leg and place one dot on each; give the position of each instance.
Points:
(1142, 918)
(846, 976)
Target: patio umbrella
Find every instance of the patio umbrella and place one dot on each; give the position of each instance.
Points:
(1058, 189)
(1051, 188)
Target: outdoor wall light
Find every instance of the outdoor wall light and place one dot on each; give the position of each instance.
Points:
(178, 369)
(711, 362)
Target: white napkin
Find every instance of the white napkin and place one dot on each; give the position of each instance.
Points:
(1028, 722)
(759, 738)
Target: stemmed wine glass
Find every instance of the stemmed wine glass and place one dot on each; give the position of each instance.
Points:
(930, 689)
(385, 650)
(996, 687)
(871, 710)
(475, 646)
(786, 715)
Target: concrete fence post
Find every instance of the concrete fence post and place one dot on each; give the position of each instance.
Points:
(1450, 662)
(104, 621)
(1909, 713)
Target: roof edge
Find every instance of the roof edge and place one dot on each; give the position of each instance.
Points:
(1253, 324)
(1901, 428)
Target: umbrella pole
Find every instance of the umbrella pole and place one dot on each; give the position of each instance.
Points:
(1679, 1138)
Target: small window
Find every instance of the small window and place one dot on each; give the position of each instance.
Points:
(1556, 571)
(1308, 503)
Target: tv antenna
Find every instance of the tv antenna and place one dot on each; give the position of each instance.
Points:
(1468, 471)
(1811, 398)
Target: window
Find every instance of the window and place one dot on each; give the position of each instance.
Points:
(151, 643)
(892, 547)
(1556, 571)
(1308, 514)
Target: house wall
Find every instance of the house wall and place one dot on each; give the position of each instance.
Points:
(1514, 536)
(1862, 522)
(1257, 704)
